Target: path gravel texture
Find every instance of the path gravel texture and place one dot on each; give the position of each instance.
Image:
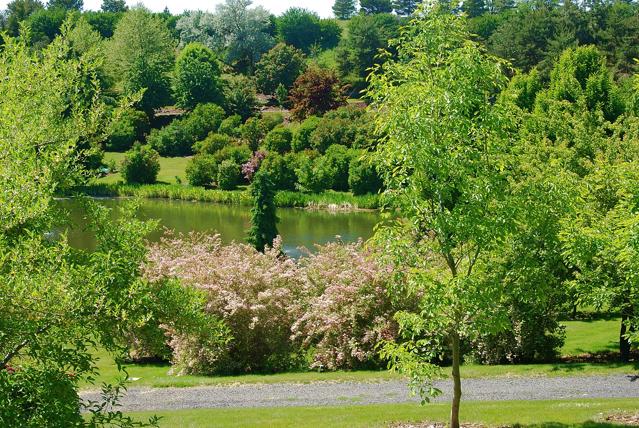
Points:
(388, 392)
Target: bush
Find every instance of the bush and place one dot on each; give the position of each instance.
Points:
(363, 176)
(280, 66)
(131, 126)
(238, 154)
(141, 165)
(302, 137)
(300, 28)
(281, 170)
(313, 175)
(253, 132)
(178, 138)
(202, 170)
(250, 291)
(229, 175)
(250, 168)
(197, 77)
(231, 126)
(271, 120)
(279, 140)
(212, 144)
(342, 126)
(316, 92)
(241, 96)
(346, 310)
(334, 166)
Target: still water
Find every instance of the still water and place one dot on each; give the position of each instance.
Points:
(298, 228)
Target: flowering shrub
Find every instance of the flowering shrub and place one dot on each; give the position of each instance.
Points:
(345, 309)
(250, 168)
(250, 291)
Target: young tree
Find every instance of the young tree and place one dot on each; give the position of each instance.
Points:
(114, 6)
(316, 92)
(263, 214)
(141, 54)
(371, 7)
(282, 65)
(344, 9)
(300, 28)
(197, 77)
(444, 160)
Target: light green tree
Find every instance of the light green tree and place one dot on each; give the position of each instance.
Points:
(197, 77)
(445, 161)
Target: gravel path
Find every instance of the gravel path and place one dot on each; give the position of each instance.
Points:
(344, 393)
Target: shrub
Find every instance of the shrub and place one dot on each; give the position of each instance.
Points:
(363, 176)
(346, 310)
(131, 126)
(197, 77)
(271, 120)
(202, 170)
(302, 137)
(238, 154)
(250, 168)
(279, 140)
(341, 126)
(250, 291)
(281, 170)
(253, 132)
(141, 165)
(231, 126)
(334, 166)
(229, 175)
(204, 119)
(300, 28)
(331, 33)
(212, 144)
(313, 176)
(316, 92)
(241, 96)
(279, 66)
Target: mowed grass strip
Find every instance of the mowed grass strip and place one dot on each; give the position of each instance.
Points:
(170, 168)
(551, 413)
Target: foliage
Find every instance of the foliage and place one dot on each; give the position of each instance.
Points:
(314, 176)
(281, 170)
(443, 158)
(373, 7)
(344, 126)
(103, 22)
(18, 11)
(65, 4)
(279, 66)
(129, 127)
(263, 231)
(331, 33)
(279, 140)
(253, 132)
(231, 126)
(141, 56)
(45, 25)
(344, 9)
(197, 77)
(301, 137)
(316, 92)
(250, 168)
(405, 7)
(141, 165)
(202, 170)
(113, 6)
(212, 144)
(238, 154)
(299, 28)
(363, 176)
(229, 174)
(240, 96)
(336, 163)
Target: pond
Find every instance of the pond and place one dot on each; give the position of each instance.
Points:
(298, 227)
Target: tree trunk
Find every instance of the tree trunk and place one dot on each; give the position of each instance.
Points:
(457, 392)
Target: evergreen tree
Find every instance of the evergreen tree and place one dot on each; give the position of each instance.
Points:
(372, 7)
(19, 10)
(474, 8)
(114, 6)
(66, 4)
(344, 9)
(263, 216)
(405, 7)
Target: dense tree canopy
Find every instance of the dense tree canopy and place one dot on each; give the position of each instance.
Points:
(280, 66)
(197, 77)
(344, 9)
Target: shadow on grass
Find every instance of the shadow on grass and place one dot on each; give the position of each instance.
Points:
(588, 424)
(578, 367)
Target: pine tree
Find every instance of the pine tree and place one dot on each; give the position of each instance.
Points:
(114, 6)
(344, 9)
(405, 7)
(474, 8)
(372, 7)
(263, 214)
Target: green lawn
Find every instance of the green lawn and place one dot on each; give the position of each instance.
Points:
(560, 413)
(169, 169)
(581, 336)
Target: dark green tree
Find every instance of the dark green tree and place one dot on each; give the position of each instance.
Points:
(263, 214)
(344, 9)
(405, 7)
(300, 28)
(474, 8)
(18, 11)
(114, 6)
(65, 4)
(197, 77)
(279, 66)
(372, 7)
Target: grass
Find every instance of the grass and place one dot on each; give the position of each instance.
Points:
(593, 336)
(170, 168)
(586, 413)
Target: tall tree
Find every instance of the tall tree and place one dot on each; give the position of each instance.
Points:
(197, 77)
(65, 4)
(282, 65)
(344, 9)
(141, 54)
(371, 7)
(405, 7)
(18, 11)
(263, 214)
(114, 6)
(445, 161)
(474, 8)
(300, 28)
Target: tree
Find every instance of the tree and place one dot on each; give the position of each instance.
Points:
(114, 6)
(18, 11)
(474, 8)
(434, 101)
(372, 7)
(240, 96)
(141, 165)
(282, 65)
(141, 54)
(264, 219)
(316, 92)
(405, 7)
(65, 4)
(344, 9)
(197, 77)
(300, 28)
